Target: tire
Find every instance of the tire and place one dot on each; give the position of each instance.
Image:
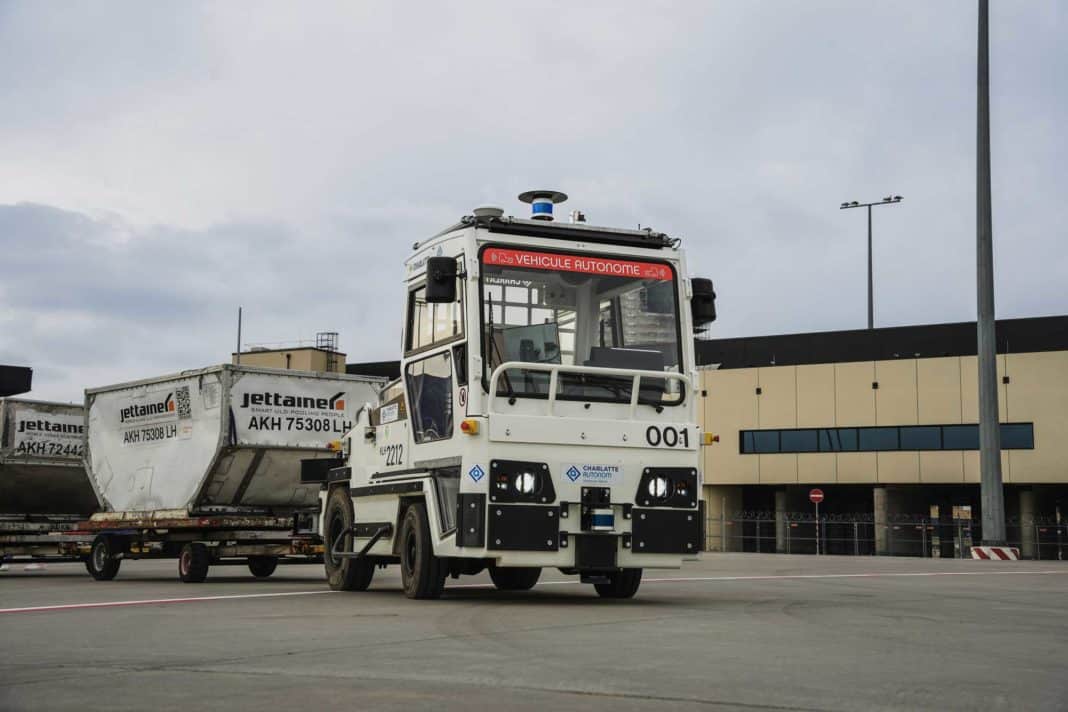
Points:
(102, 564)
(621, 584)
(343, 574)
(193, 563)
(520, 578)
(262, 566)
(422, 573)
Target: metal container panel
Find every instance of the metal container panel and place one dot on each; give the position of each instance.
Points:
(41, 471)
(220, 437)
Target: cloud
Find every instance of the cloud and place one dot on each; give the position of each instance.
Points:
(88, 296)
(164, 163)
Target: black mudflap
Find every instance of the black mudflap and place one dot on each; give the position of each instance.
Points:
(518, 527)
(471, 520)
(666, 531)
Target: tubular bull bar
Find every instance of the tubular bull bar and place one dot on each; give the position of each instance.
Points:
(555, 369)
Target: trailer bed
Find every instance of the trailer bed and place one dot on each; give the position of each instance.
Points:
(106, 539)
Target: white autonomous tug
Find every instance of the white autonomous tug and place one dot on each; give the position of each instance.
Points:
(546, 413)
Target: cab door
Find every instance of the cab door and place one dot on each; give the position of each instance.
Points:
(434, 338)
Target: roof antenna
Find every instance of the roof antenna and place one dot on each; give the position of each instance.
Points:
(238, 362)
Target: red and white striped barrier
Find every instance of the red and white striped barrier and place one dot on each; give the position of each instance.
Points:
(996, 553)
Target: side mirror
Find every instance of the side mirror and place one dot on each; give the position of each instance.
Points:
(703, 301)
(441, 280)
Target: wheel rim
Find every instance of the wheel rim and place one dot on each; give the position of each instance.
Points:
(409, 553)
(337, 525)
(100, 556)
(183, 562)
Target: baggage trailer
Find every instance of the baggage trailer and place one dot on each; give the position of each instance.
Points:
(259, 541)
(546, 414)
(44, 490)
(204, 466)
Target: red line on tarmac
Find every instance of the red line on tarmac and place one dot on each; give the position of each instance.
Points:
(887, 574)
(156, 601)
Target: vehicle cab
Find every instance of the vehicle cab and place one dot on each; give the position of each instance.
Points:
(545, 414)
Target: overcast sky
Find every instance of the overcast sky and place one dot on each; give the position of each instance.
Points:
(163, 163)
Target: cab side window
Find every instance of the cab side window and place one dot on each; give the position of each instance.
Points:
(430, 324)
(429, 383)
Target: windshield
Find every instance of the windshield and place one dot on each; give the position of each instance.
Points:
(579, 310)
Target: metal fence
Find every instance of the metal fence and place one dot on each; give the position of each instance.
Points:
(863, 535)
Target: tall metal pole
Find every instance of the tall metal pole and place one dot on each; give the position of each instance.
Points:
(888, 200)
(992, 493)
(238, 336)
(871, 279)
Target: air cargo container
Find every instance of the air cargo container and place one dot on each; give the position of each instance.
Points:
(44, 490)
(204, 465)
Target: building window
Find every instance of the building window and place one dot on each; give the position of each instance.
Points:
(766, 441)
(879, 439)
(798, 440)
(921, 437)
(1017, 436)
(960, 437)
(1014, 436)
(838, 439)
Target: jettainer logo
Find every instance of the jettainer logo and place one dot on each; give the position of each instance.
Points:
(45, 426)
(147, 410)
(334, 402)
(274, 412)
(47, 434)
(153, 419)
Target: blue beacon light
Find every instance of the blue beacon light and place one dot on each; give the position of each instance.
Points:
(541, 202)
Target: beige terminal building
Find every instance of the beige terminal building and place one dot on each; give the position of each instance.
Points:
(884, 422)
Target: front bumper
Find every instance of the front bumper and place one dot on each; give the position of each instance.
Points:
(578, 535)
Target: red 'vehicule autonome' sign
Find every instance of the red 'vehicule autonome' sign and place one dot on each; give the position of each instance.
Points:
(576, 263)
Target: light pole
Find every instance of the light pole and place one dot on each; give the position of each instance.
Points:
(888, 200)
(991, 492)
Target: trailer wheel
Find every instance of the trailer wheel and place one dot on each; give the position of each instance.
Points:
(621, 584)
(520, 578)
(343, 574)
(422, 573)
(193, 563)
(262, 566)
(102, 564)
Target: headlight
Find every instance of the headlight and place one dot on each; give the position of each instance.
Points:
(525, 482)
(659, 488)
(667, 487)
(520, 481)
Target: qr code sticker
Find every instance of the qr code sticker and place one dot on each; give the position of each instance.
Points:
(185, 410)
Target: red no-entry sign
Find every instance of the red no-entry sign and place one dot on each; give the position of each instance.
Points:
(815, 496)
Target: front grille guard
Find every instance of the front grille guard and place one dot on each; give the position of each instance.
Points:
(555, 369)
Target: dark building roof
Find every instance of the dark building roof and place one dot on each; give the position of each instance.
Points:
(1044, 333)
(389, 369)
(15, 380)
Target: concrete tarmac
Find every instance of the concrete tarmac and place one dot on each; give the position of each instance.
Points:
(734, 631)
